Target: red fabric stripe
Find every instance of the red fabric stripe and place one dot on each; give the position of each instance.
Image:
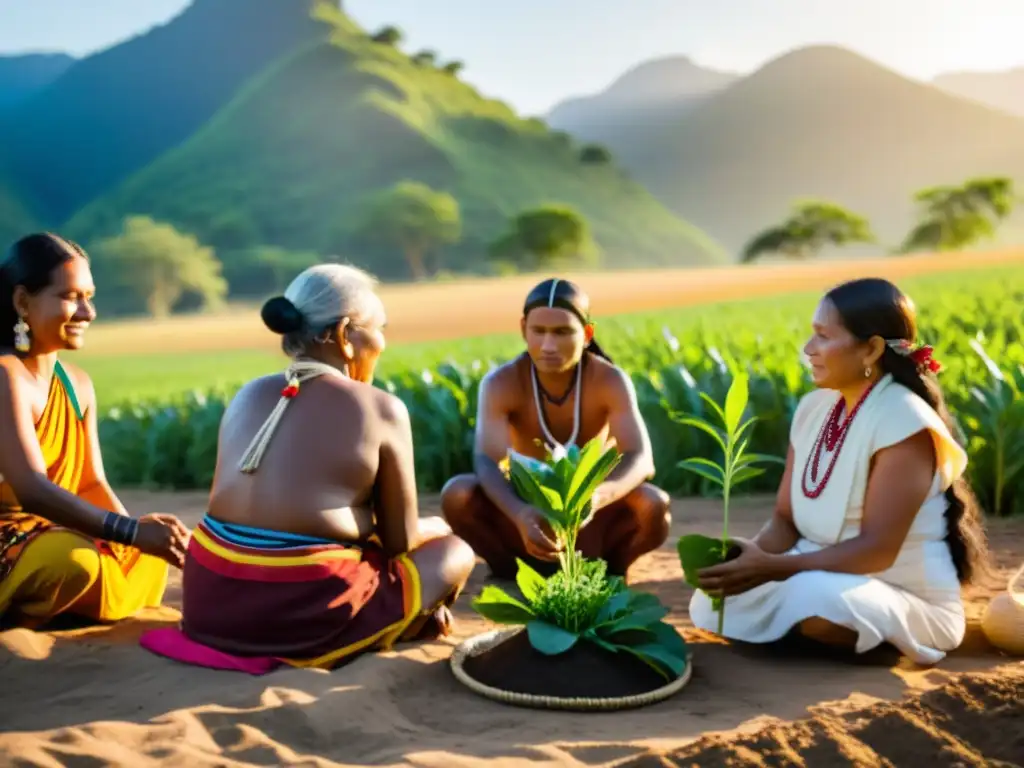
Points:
(292, 552)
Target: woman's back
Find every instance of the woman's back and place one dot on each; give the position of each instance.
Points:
(318, 472)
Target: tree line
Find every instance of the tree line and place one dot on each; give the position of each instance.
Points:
(159, 269)
(949, 218)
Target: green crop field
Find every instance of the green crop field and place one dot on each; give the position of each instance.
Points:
(166, 437)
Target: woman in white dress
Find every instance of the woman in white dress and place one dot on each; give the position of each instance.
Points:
(875, 528)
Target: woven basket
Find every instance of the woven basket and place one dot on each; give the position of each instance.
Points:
(1003, 620)
(481, 643)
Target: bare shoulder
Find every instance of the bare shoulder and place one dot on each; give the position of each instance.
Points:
(505, 380)
(11, 368)
(611, 379)
(390, 408)
(82, 382)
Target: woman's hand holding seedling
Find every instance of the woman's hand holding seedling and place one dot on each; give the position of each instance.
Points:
(751, 569)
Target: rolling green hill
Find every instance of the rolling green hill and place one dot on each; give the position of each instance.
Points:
(15, 218)
(23, 75)
(114, 112)
(817, 122)
(292, 158)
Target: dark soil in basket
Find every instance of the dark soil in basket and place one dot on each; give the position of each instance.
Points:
(585, 670)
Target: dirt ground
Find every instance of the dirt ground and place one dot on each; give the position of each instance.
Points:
(92, 697)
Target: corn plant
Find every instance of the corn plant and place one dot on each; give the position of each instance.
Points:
(672, 358)
(697, 552)
(579, 602)
(994, 417)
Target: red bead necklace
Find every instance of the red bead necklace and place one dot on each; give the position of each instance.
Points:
(830, 438)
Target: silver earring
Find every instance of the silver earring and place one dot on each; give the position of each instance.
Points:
(22, 343)
(867, 372)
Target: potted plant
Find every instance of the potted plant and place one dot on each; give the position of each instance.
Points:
(579, 638)
(697, 552)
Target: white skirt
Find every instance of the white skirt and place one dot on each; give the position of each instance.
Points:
(876, 610)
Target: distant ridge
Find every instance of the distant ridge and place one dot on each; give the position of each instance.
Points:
(291, 160)
(820, 121)
(112, 113)
(1000, 90)
(22, 75)
(646, 91)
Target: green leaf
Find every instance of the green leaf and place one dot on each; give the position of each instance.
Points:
(637, 619)
(707, 428)
(530, 583)
(574, 454)
(757, 458)
(697, 552)
(527, 486)
(589, 457)
(549, 639)
(638, 600)
(615, 605)
(530, 464)
(597, 475)
(667, 637)
(745, 473)
(497, 606)
(658, 658)
(700, 467)
(736, 402)
(715, 407)
(592, 637)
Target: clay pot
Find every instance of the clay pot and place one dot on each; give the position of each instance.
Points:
(1003, 620)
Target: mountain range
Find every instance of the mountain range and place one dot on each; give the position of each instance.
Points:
(257, 123)
(731, 153)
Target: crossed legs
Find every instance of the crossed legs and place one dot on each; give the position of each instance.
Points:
(619, 533)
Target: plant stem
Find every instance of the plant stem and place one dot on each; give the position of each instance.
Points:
(726, 486)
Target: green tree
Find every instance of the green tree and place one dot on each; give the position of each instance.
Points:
(952, 218)
(160, 264)
(544, 237)
(425, 58)
(454, 67)
(595, 154)
(282, 265)
(388, 36)
(811, 226)
(415, 218)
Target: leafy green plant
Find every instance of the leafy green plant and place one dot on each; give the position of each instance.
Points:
(580, 601)
(697, 552)
(995, 418)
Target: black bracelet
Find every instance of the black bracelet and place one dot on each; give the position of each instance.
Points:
(120, 529)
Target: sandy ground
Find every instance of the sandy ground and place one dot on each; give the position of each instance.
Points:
(94, 697)
(491, 305)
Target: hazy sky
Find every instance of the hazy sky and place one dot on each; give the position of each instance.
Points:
(533, 53)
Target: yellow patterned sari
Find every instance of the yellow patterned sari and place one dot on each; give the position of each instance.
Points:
(46, 570)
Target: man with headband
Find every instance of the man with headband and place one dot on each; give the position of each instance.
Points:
(563, 390)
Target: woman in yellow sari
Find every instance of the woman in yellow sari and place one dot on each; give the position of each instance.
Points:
(66, 543)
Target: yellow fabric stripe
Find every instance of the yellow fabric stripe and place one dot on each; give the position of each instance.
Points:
(237, 557)
(390, 633)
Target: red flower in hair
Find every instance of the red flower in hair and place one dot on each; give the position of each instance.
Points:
(922, 356)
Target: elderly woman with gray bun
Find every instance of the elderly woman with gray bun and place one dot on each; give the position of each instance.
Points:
(312, 550)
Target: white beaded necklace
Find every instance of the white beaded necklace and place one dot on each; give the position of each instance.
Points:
(558, 450)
